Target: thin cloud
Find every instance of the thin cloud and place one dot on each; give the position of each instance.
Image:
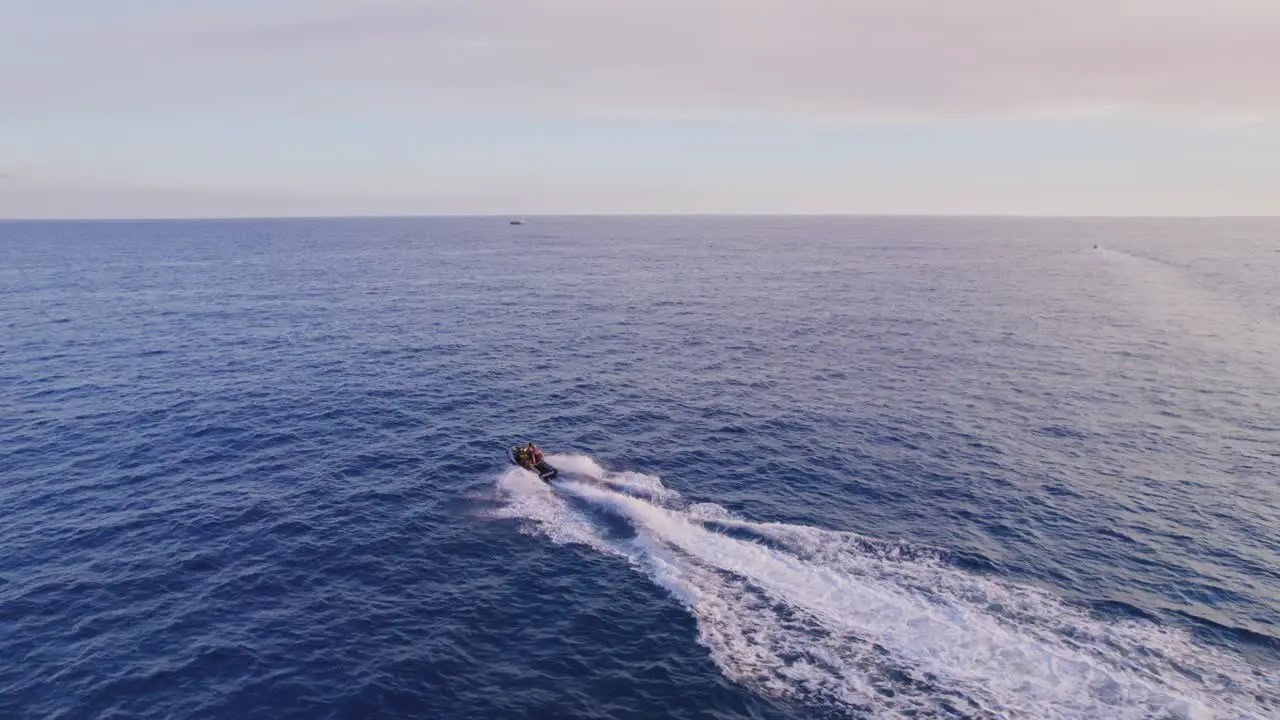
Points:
(824, 57)
(827, 59)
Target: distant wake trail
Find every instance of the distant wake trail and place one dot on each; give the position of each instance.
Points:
(883, 629)
(1196, 310)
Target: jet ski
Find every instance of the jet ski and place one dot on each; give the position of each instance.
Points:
(522, 457)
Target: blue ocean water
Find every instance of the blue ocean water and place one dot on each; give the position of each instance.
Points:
(811, 467)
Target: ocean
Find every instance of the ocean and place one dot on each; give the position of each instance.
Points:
(810, 468)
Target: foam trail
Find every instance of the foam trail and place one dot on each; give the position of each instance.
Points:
(1195, 311)
(527, 497)
(633, 483)
(888, 630)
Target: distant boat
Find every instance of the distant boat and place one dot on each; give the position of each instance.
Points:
(517, 222)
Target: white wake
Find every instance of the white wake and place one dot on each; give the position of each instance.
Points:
(882, 629)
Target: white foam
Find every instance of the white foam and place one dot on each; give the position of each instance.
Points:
(709, 512)
(527, 497)
(632, 483)
(577, 465)
(888, 629)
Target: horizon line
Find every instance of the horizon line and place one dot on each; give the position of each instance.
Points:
(605, 215)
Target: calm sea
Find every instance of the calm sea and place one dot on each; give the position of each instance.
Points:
(810, 467)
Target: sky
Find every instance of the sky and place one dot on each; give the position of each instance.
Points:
(179, 108)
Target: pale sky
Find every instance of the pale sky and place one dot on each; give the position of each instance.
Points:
(162, 108)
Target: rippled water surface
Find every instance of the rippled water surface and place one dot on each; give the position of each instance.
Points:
(882, 468)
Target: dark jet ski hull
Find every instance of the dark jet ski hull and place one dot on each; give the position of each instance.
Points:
(544, 471)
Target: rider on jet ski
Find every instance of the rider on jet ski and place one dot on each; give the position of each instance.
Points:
(530, 457)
